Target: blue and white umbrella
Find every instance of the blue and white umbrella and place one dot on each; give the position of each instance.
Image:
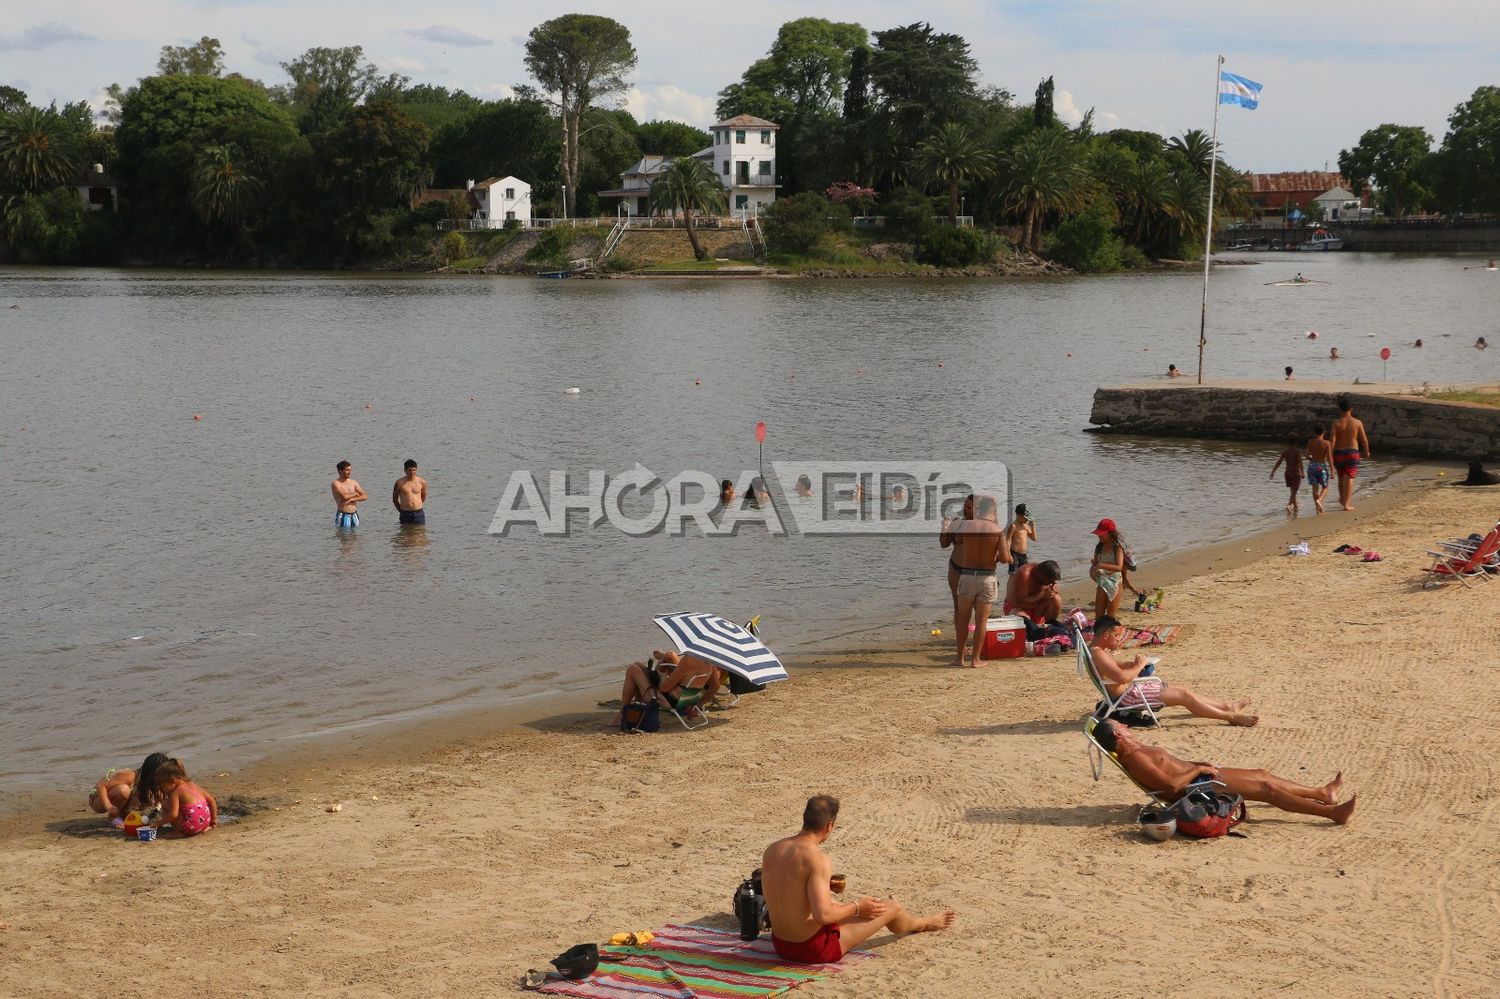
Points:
(723, 643)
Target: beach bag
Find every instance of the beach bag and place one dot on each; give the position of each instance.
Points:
(739, 685)
(1206, 814)
(1129, 560)
(639, 717)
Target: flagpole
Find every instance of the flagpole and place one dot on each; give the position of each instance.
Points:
(1208, 227)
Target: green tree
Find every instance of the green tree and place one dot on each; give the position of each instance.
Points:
(799, 223)
(328, 82)
(377, 158)
(1468, 167)
(224, 193)
(1395, 160)
(1195, 147)
(1042, 113)
(580, 60)
(436, 107)
(670, 138)
(49, 226)
(1086, 241)
(922, 80)
(951, 157)
(38, 149)
(689, 187)
(499, 139)
(12, 99)
(204, 58)
(1043, 173)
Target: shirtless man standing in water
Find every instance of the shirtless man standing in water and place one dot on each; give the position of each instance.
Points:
(410, 495)
(1349, 443)
(347, 495)
(807, 925)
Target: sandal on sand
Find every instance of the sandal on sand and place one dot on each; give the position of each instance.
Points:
(533, 979)
(1371, 557)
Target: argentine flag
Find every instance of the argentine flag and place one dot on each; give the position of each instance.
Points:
(1238, 90)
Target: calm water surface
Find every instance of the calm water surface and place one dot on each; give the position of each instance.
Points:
(177, 584)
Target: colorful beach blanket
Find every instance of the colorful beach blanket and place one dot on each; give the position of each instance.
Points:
(1159, 634)
(695, 962)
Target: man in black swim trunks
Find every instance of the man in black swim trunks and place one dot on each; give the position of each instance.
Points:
(410, 495)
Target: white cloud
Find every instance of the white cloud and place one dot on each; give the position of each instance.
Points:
(400, 64)
(41, 36)
(668, 101)
(443, 34)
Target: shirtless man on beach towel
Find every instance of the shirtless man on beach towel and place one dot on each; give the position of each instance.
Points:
(807, 925)
(1158, 770)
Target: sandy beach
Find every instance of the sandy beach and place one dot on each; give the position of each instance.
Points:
(453, 870)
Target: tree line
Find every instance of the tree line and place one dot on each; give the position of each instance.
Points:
(324, 166)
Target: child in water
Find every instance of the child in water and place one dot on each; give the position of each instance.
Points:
(1293, 475)
(185, 806)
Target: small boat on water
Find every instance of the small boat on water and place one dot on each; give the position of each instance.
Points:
(554, 275)
(1234, 247)
(1322, 239)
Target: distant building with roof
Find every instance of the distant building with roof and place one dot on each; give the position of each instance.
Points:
(742, 156)
(1277, 193)
(487, 204)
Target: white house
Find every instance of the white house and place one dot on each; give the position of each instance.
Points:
(98, 190)
(500, 200)
(742, 156)
(1337, 204)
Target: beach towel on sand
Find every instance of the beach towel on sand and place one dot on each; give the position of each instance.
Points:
(694, 962)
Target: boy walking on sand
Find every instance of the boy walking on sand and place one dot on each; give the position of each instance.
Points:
(1293, 458)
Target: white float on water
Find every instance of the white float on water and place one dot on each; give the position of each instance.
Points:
(572, 391)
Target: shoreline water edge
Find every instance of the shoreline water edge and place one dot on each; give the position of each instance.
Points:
(434, 728)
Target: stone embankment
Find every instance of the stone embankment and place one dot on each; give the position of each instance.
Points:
(1397, 422)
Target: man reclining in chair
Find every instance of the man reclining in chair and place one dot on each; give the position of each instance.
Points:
(807, 925)
(1158, 770)
(672, 671)
(1108, 633)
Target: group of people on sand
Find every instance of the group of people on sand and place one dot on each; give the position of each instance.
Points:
(408, 496)
(160, 793)
(1338, 453)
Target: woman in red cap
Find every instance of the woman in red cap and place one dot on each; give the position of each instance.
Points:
(1106, 569)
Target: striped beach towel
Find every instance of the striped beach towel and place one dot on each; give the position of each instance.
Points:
(695, 962)
(1159, 634)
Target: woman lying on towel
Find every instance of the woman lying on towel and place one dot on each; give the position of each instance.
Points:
(1108, 633)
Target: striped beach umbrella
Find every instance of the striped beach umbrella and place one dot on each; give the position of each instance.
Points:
(723, 643)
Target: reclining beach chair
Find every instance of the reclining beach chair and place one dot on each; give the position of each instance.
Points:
(1097, 753)
(689, 696)
(1457, 560)
(1087, 669)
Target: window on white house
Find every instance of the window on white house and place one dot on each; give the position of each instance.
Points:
(510, 194)
(765, 136)
(726, 168)
(739, 137)
(765, 168)
(510, 216)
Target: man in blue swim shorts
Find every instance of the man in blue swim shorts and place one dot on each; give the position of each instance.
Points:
(347, 495)
(409, 495)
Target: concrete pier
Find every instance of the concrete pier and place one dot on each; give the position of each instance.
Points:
(1398, 421)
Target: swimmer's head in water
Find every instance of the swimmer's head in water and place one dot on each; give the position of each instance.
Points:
(410, 466)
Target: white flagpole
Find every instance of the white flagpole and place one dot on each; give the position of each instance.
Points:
(1208, 227)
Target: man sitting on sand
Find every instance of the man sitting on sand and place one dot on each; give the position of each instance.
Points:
(1159, 771)
(1108, 633)
(1035, 592)
(666, 673)
(807, 925)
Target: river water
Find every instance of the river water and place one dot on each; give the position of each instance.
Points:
(178, 584)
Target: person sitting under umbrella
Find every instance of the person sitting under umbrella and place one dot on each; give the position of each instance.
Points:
(665, 673)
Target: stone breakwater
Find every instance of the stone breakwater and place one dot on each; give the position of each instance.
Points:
(1401, 424)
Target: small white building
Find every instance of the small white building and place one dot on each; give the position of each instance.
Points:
(500, 200)
(1337, 204)
(742, 156)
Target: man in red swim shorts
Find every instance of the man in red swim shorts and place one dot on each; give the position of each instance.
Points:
(1349, 443)
(807, 925)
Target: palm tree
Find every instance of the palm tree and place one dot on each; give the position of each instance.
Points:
(37, 150)
(1196, 148)
(223, 192)
(688, 186)
(1145, 192)
(1043, 173)
(950, 156)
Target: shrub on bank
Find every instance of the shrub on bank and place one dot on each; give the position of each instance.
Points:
(946, 246)
(799, 223)
(1087, 242)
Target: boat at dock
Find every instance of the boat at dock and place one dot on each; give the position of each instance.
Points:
(1322, 239)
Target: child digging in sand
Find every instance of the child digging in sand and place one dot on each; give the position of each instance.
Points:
(185, 806)
(111, 793)
(1293, 475)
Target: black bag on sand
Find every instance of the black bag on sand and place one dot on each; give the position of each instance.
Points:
(578, 961)
(638, 717)
(1139, 718)
(739, 685)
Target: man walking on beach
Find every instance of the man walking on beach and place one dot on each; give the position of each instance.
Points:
(1349, 445)
(410, 495)
(347, 495)
(807, 925)
(978, 546)
(1158, 770)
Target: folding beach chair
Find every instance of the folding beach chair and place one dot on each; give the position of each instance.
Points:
(689, 696)
(1456, 560)
(1087, 669)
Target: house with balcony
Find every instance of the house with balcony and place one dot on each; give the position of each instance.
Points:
(742, 156)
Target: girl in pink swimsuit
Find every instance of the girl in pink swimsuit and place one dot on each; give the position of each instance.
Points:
(188, 808)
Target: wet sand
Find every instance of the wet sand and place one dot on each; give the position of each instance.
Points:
(454, 869)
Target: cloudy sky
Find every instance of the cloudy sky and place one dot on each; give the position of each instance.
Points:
(1330, 70)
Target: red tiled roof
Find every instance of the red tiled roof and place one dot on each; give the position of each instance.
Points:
(1296, 181)
(746, 121)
